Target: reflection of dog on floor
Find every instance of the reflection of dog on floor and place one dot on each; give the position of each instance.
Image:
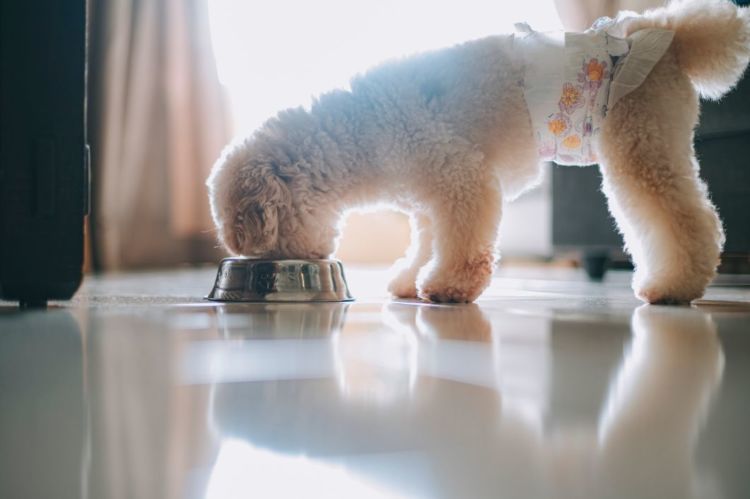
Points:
(449, 135)
(457, 411)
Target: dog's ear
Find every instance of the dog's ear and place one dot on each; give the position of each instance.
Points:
(257, 200)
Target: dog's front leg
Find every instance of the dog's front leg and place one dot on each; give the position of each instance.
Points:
(404, 282)
(465, 222)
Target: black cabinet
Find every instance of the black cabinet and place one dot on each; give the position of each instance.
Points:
(43, 153)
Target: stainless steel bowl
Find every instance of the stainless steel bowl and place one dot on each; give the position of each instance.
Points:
(248, 280)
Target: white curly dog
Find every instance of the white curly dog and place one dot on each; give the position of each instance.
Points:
(449, 136)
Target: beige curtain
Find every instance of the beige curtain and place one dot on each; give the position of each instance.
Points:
(160, 120)
(578, 15)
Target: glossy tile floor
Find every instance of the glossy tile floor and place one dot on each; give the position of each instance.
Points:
(549, 386)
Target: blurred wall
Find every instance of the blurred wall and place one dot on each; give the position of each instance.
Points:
(381, 237)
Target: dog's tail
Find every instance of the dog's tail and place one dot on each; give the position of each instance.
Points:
(711, 41)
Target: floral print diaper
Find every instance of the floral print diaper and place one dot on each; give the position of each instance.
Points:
(568, 83)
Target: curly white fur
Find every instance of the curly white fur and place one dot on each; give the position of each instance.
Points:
(446, 137)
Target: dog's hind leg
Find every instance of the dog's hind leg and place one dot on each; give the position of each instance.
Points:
(404, 282)
(465, 214)
(650, 178)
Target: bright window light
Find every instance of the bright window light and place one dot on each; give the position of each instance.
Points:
(242, 470)
(277, 54)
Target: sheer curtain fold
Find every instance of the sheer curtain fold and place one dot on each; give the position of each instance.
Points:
(162, 120)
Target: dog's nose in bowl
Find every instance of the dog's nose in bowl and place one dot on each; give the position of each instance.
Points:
(253, 280)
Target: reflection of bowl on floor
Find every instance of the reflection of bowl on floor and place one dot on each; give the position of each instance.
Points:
(250, 280)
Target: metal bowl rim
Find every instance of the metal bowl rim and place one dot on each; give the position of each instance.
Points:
(253, 261)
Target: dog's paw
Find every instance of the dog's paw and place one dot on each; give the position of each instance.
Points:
(656, 296)
(463, 284)
(448, 294)
(662, 292)
(404, 285)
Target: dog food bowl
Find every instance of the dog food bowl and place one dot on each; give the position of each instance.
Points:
(250, 280)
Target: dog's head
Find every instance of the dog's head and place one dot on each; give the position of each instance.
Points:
(257, 215)
(246, 198)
